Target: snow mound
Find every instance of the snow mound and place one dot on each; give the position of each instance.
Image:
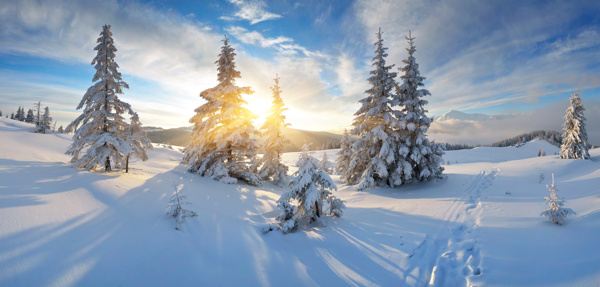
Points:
(480, 226)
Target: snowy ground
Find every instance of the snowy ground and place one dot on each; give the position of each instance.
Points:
(479, 226)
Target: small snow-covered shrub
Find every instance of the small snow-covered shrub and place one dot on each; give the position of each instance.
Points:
(556, 213)
(175, 207)
(311, 187)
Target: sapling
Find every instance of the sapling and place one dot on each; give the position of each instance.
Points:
(556, 213)
(175, 207)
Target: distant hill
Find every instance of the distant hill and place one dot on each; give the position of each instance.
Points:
(553, 137)
(458, 115)
(319, 140)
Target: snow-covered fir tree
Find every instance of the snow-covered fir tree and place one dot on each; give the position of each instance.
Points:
(574, 139)
(0, 113)
(425, 157)
(61, 129)
(175, 207)
(29, 118)
(135, 136)
(556, 212)
(99, 130)
(20, 115)
(12, 116)
(344, 155)
(379, 153)
(311, 187)
(221, 145)
(45, 123)
(326, 165)
(271, 165)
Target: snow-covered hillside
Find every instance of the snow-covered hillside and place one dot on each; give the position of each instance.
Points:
(479, 226)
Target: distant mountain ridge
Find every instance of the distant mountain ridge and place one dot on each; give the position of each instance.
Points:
(458, 115)
(320, 140)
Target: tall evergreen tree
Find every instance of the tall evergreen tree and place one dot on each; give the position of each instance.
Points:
(221, 145)
(12, 116)
(271, 166)
(574, 139)
(344, 156)
(20, 116)
(135, 136)
(99, 129)
(29, 118)
(0, 113)
(379, 152)
(425, 157)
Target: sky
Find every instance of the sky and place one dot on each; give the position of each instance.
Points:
(518, 58)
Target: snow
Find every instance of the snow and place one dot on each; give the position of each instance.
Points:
(481, 225)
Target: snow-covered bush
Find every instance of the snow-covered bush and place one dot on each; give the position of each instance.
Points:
(175, 207)
(327, 166)
(311, 187)
(344, 155)
(556, 212)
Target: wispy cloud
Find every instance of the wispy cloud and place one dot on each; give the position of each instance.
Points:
(253, 11)
(503, 53)
(255, 38)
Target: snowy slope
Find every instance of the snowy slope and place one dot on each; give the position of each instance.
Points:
(479, 226)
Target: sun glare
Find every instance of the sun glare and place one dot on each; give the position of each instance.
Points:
(260, 107)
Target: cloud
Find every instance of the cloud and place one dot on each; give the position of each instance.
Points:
(502, 53)
(166, 58)
(253, 11)
(549, 117)
(255, 38)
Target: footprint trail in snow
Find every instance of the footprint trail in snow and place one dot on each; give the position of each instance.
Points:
(452, 257)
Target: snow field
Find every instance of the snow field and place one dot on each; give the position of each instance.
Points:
(480, 226)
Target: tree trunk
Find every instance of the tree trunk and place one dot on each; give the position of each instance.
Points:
(127, 164)
(107, 164)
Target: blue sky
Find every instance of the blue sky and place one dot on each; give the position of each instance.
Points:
(522, 58)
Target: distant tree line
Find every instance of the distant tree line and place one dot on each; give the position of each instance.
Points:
(552, 137)
(41, 119)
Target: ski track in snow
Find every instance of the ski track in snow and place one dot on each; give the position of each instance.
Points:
(452, 256)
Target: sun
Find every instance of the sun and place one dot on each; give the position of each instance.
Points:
(260, 107)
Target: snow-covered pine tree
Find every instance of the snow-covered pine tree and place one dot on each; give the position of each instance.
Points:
(29, 117)
(424, 156)
(135, 136)
(45, 123)
(379, 153)
(12, 115)
(574, 139)
(175, 207)
(311, 187)
(0, 113)
(271, 166)
(326, 165)
(221, 145)
(20, 114)
(61, 129)
(344, 155)
(99, 130)
(556, 212)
